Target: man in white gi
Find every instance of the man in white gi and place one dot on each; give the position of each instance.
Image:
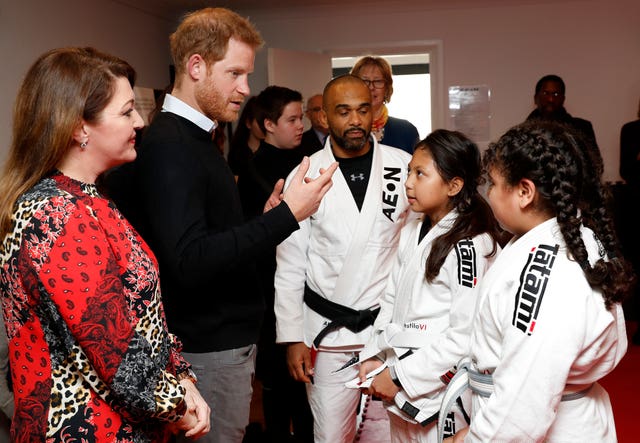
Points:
(333, 271)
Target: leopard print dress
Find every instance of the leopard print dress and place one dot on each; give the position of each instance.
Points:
(91, 358)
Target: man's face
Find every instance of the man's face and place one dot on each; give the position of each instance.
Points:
(314, 112)
(286, 133)
(221, 93)
(549, 99)
(348, 115)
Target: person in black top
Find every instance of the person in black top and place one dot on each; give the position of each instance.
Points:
(629, 235)
(285, 405)
(314, 137)
(549, 100)
(189, 211)
(245, 140)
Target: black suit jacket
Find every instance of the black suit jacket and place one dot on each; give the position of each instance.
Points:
(310, 142)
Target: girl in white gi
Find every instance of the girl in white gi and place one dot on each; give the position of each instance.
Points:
(431, 295)
(550, 324)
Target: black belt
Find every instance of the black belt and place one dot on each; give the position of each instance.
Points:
(340, 316)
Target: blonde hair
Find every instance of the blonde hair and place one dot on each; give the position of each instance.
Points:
(62, 88)
(385, 68)
(207, 32)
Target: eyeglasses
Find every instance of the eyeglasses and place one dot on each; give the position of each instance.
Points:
(551, 93)
(377, 84)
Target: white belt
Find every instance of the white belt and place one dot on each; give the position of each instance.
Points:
(482, 385)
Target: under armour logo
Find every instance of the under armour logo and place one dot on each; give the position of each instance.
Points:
(357, 177)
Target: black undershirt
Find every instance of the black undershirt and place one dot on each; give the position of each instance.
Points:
(356, 172)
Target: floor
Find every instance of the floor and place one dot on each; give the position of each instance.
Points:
(373, 428)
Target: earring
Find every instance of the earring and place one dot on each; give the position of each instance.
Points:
(84, 144)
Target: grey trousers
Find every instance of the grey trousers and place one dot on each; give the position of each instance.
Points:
(224, 381)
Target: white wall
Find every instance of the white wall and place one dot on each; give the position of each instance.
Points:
(593, 44)
(28, 28)
(508, 44)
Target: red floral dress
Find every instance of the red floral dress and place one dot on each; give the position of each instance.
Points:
(91, 358)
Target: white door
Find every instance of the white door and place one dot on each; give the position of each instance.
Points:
(309, 72)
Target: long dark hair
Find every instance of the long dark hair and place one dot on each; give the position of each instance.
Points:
(454, 155)
(551, 155)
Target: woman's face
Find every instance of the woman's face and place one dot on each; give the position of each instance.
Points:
(370, 74)
(112, 138)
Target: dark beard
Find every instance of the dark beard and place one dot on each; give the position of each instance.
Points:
(350, 144)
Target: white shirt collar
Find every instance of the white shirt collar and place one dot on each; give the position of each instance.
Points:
(321, 136)
(178, 107)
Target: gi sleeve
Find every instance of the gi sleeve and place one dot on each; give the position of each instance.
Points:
(289, 281)
(388, 299)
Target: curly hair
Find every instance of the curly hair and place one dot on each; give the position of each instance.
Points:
(454, 155)
(550, 154)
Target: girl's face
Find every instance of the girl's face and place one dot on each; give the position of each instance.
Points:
(426, 190)
(504, 201)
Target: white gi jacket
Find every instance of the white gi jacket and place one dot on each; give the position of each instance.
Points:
(434, 319)
(541, 331)
(343, 254)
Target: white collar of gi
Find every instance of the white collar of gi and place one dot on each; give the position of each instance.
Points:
(178, 107)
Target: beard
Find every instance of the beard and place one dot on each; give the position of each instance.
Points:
(213, 103)
(351, 143)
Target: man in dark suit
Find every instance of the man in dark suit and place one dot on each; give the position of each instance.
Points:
(313, 138)
(549, 100)
(629, 236)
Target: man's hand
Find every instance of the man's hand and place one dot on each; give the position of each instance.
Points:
(305, 194)
(276, 196)
(299, 362)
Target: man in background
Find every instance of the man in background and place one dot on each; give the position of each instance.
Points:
(314, 137)
(285, 406)
(549, 99)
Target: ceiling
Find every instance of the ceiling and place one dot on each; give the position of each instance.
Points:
(173, 9)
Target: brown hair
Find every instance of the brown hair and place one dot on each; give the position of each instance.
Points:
(207, 32)
(385, 68)
(62, 88)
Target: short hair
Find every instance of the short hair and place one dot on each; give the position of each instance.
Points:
(344, 78)
(311, 97)
(550, 78)
(272, 101)
(63, 87)
(385, 68)
(207, 32)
